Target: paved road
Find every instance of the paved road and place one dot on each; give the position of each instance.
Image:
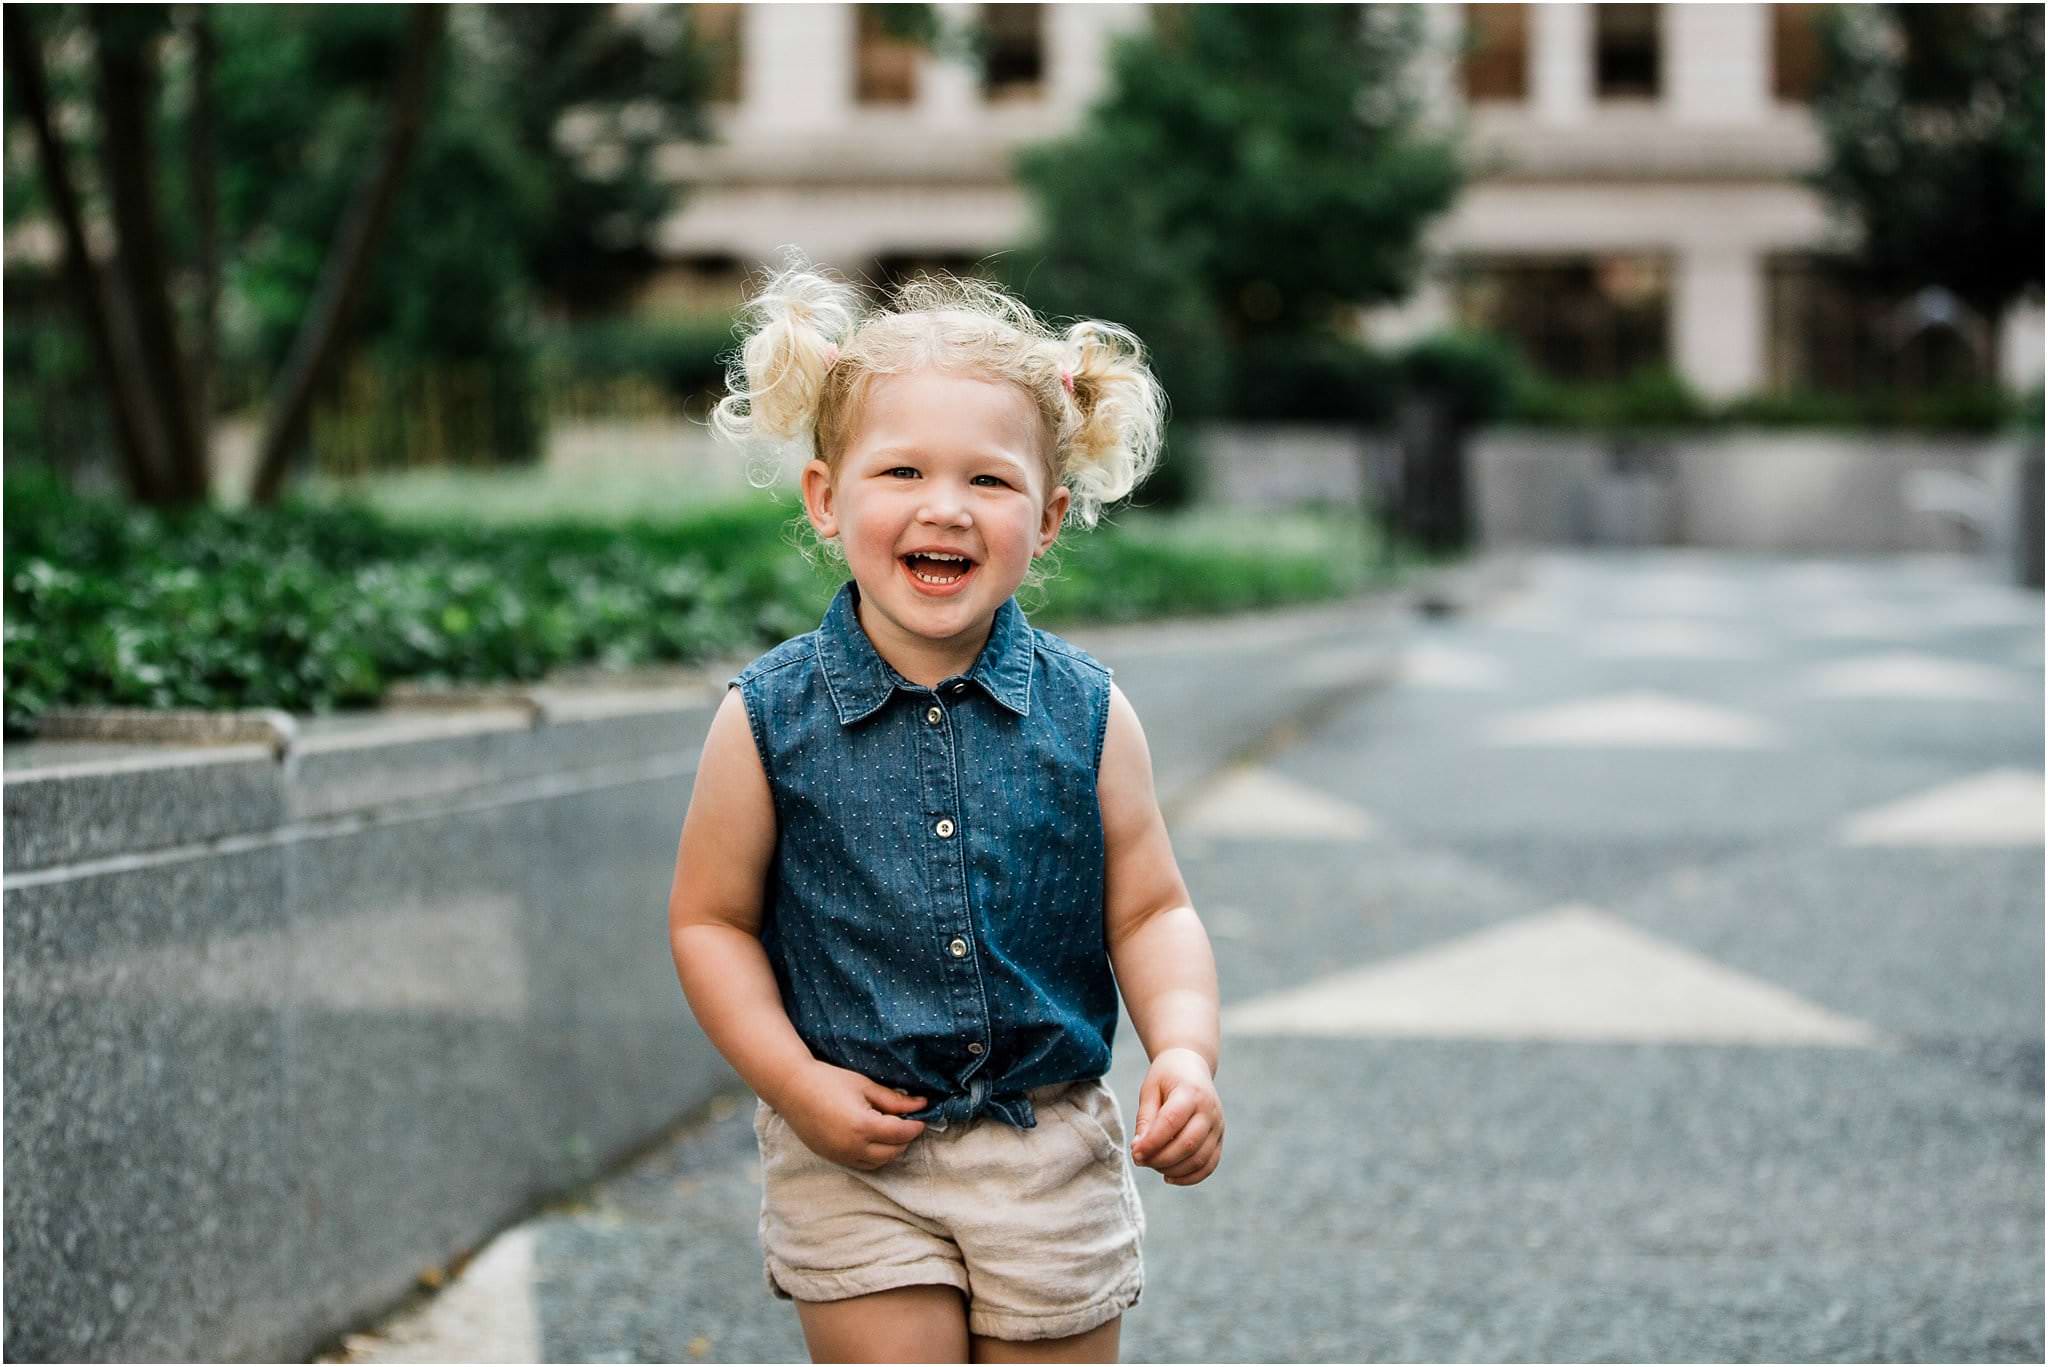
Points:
(1651, 971)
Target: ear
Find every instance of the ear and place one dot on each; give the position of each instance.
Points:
(817, 484)
(1055, 514)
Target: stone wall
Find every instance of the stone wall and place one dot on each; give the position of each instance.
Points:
(1806, 493)
(1774, 491)
(282, 1036)
(286, 1030)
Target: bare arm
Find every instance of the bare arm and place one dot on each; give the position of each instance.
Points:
(1164, 965)
(714, 910)
(714, 927)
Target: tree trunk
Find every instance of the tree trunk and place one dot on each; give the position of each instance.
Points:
(127, 94)
(138, 430)
(320, 337)
(203, 172)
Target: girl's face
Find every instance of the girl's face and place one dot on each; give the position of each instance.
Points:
(939, 462)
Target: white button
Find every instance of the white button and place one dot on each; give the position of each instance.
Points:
(959, 948)
(974, 1047)
(945, 826)
(932, 715)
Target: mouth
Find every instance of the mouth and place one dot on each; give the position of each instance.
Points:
(936, 578)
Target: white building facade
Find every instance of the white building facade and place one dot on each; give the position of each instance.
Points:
(1635, 196)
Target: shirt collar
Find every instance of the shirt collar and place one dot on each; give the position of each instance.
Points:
(860, 680)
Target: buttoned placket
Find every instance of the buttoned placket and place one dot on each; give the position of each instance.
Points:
(946, 864)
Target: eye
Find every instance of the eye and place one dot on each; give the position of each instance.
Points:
(898, 468)
(998, 479)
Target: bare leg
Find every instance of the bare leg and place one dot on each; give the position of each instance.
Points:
(903, 1324)
(1095, 1345)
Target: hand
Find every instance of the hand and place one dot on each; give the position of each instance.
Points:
(848, 1119)
(1180, 1118)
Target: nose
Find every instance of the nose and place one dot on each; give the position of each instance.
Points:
(944, 508)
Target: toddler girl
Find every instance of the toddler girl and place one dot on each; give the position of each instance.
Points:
(923, 837)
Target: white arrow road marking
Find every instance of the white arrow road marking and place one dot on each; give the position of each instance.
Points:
(1256, 804)
(1632, 719)
(1573, 973)
(1438, 666)
(1999, 807)
(1907, 674)
(1673, 639)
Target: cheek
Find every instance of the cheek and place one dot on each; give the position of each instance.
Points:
(1019, 533)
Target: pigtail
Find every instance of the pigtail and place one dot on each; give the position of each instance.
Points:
(1121, 413)
(793, 328)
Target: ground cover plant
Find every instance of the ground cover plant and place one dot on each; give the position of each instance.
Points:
(320, 605)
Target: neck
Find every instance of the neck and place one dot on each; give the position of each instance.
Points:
(923, 661)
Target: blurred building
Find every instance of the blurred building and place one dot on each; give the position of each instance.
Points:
(1636, 198)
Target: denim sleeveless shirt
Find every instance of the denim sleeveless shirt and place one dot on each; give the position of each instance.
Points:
(934, 907)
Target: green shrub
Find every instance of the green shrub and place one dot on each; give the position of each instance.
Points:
(686, 358)
(1654, 398)
(1311, 379)
(311, 608)
(2029, 413)
(1963, 408)
(1647, 398)
(1476, 373)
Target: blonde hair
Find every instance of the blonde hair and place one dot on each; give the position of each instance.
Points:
(811, 351)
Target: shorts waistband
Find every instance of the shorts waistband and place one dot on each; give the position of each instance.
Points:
(1019, 1108)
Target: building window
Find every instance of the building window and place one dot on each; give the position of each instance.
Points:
(1496, 55)
(1795, 51)
(1833, 331)
(885, 69)
(1625, 51)
(1573, 318)
(1013, 56)
(715, 30)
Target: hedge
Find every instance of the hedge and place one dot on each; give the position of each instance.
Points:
(313, 608)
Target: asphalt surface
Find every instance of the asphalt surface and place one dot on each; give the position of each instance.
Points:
(1651, 970)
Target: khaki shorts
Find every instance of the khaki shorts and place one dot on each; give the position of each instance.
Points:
(1040, 1228)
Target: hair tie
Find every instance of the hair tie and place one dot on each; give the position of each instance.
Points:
(831, 354)
(1067, 381)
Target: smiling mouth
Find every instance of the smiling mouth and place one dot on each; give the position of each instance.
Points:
(935, 571)
(937, 575)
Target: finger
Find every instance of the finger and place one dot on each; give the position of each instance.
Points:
(891, 1101)
(1170, 1128)
(882, 1155)
(1148, 1111)
(1201, 1174)
(892, 1129)
(1194, 1162)
(1153, 1129)
(1145, 1148)
(1178, 1149)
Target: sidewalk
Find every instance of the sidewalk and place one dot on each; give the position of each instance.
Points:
(1212, 692)
(1647, 970)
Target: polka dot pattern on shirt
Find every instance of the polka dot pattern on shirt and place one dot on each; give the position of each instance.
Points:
(899, 943)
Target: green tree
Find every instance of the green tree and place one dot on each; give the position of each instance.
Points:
(1932, 121)
(336, 185)
(1253, 176)
(128, 311)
